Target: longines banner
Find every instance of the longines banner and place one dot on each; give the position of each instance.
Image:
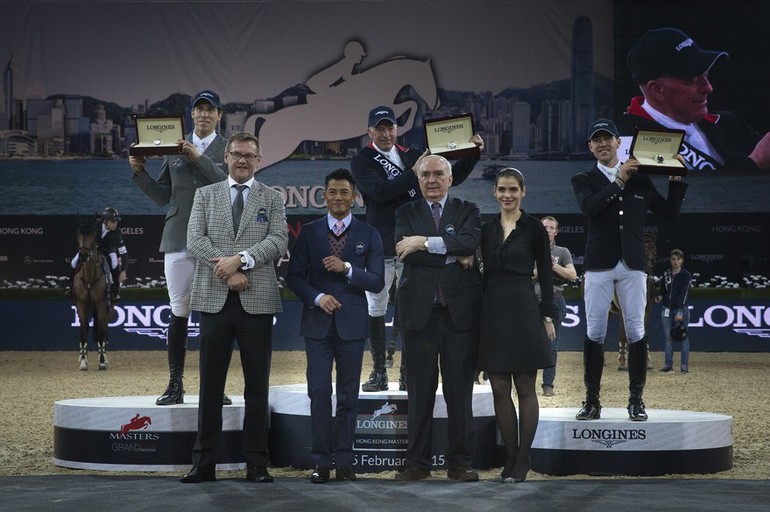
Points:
(715, 326)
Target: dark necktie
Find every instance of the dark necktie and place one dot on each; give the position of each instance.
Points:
(238, 207)
(435, 209)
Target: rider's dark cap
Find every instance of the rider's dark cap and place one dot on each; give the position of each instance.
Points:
(669, 52)
(380, 114)
(602, 125)
(208, 96)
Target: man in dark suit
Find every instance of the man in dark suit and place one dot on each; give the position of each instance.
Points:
(334, 260)
(200, 163)
(384, 171)
(237, 230)
(616, 198)
(439, 297)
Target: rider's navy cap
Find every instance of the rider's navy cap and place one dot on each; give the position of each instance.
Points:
(602, 125)
(209, 97)
(380, 114)
(669, 51)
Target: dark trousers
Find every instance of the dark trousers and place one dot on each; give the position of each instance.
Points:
(333, 437)
(254, 336)
(442, 342)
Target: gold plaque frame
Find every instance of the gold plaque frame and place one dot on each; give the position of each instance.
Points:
(655, 150)
(157, 135)
(449, 136)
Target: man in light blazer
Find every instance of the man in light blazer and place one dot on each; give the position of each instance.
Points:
(237, 230)
(200, 163)
(334, 261)
(439, 297)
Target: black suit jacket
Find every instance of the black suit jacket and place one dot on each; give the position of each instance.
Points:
(460, 228)
(385, 187)
(616, 217)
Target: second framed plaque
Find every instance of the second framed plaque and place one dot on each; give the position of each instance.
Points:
(157, 135)
(450, 136)
(655, 150)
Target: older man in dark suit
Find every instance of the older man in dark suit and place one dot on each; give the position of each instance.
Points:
(616, 198)
(333, 262)
(439, 296)
(237, 230)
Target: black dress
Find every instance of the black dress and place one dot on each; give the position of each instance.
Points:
(512, 336)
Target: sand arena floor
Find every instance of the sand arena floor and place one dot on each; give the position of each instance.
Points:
(30, 382)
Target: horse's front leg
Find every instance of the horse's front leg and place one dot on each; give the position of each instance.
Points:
(101, 320)
(83, 317)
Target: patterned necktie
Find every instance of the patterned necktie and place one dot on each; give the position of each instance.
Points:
(436, 211)
(238, 207)
(339, 227)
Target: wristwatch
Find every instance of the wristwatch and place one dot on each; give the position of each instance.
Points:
(348, 266)
(243, 259)
(425, 243)
(548, 319)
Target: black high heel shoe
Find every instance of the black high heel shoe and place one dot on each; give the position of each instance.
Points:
(519, 473)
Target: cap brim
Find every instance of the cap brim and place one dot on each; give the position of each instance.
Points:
(383, 120)
(697, 64)
(600, 130)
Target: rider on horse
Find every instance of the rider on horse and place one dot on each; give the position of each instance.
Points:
(111, 245)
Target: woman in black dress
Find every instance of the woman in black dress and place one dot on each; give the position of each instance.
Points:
(515, 326)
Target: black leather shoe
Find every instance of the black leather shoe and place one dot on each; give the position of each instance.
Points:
(636, 412)
(198, 475)
(226, 400)
(320, 475)
(174, 394)
(378, 381)
(345, 473)
(412, 474)
(589, 411)
(258, 474)
(463, 474)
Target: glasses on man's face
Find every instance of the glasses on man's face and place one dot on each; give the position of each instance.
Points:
(249, 157)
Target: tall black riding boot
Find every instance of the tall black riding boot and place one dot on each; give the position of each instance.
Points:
(593, 365)
(402, 372)
(378, 379)
(177, 349)
(637, 378)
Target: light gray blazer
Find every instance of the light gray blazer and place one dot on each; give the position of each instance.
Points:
(262, 232)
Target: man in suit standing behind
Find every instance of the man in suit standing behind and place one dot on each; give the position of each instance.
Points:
(616, 198)
(237, 229)
(333, 262)
(439, 297)
(200, 163)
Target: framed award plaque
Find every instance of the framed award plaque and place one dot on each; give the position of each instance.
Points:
(450, 136)
(157, 135)
(655, 150)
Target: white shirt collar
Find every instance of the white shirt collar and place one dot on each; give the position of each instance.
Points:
(205, 142)
(442, 202)
(231, 182)
(332, 221)
(610, 172)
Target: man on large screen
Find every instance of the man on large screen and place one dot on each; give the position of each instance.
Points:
(673, 74)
